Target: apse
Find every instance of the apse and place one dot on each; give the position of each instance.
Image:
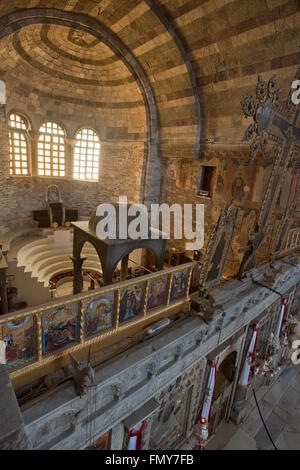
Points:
(67, 78)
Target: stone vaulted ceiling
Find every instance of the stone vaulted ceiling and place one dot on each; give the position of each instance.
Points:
(135, 60)
(55, 57)
(171, 63)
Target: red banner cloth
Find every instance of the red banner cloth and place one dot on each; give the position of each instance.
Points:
(138, 435)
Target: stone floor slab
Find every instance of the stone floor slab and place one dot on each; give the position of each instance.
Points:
(283, 414)
(274, 395)
(289, 373)
(281, 443)
(275, 426)
(241, 441)
(292, 439)
(260, 394)
(296, 382)
(293, 421)
(290, 401)
(253, 423)
(223, 435)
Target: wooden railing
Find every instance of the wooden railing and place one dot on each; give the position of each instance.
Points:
(43, 334)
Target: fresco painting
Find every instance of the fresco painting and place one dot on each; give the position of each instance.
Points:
(172, 171)
(179, 285)
(220, 184)
(183, 174)
(248, 221)
(216, 260)
(131, 302)
(53, 194)
(157, 293)
(59, 327)
(238, 182)
(238, 191)
(19, 337)
(184, 177)
(98, 314)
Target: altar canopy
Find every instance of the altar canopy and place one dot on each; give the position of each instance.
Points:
(112, 250)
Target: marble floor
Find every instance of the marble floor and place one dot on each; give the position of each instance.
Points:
(280, 407)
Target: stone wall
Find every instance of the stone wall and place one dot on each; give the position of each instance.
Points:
(120, 169)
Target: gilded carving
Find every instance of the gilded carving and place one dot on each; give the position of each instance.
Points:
(277, 124)
(218, 247)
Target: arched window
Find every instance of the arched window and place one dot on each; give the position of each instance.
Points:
(51, 150)
(86, 156)
(18, 146)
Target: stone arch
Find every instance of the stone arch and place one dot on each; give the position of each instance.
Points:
(78, 247)
(56, 121)
(96, 250)
(21, 113)
(19, 19)
(156, 251)
(176, 38)
(227, 366)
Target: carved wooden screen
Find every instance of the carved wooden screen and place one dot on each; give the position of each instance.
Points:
(218, 247)
(282, 230)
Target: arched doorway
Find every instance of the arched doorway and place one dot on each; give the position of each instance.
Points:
(135, 264)
(222, 391)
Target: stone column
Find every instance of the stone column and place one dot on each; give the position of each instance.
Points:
(124, 267)
(34, 139)
(117, 437)
(69, 156)
(240, 404)
(3, 291)
(78, 279)
(107, 277)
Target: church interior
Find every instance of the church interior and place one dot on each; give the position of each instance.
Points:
(142, 344)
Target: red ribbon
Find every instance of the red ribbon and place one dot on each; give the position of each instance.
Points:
(138, 435)
(200, 446)
(213, 365)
